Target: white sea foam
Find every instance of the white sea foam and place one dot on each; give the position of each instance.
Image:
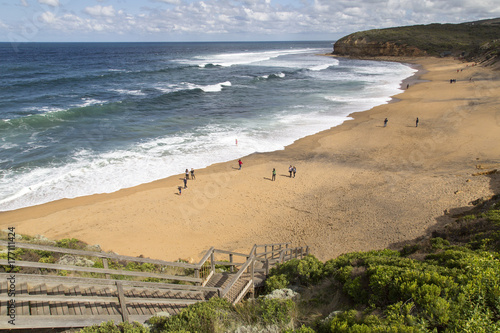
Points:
(240, 58)
(133, 92)
(90, 172)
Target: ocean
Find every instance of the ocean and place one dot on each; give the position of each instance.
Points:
(83, 118)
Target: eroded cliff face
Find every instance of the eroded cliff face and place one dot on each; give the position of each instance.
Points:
(360, 47)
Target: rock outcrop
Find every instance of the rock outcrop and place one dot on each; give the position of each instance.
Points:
(361, 47)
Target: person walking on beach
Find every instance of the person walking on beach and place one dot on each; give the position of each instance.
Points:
(187, 174)
(192, 174)
(185, 182)
(274, 175)
(180, 190)
(416, 122)
(290, 169)
(240, 163)
(294, 169)
(385, 122)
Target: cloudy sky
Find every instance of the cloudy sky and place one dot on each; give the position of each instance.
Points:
(222, 20)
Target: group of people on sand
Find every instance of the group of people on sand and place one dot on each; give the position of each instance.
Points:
(291, 170)
(387, 120)
(186, 178)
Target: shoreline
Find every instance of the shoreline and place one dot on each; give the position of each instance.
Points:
(87, 199)
(319, 208)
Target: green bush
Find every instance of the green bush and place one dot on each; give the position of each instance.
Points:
(110, 327)
(71, 243)
(276, 282)
(439, 243)
(200, 317)
(306, 271)
(276, 311)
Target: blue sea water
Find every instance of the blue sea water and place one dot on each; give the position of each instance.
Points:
(85, 118)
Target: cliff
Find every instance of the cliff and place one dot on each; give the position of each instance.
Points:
(363, 47)
(420, 40)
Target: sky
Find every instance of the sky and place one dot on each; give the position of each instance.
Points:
(222, 20)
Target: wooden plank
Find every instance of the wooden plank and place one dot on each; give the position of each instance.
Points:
(104, 305)
(36, 307)
(80, 308)
(22, 307)
(94, 307)
(131, 305)
(3, 291)
(148, 295)
(137, 301)
(100, 270)
(63, 305)
(35, 322)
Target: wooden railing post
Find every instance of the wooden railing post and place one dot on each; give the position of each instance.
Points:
(212, 262)
(197, 275)
(106, 266)
(267, 267)
(121, 298)
(265, 252)
(231, 269)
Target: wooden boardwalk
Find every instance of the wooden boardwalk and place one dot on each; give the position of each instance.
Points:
(51, 301)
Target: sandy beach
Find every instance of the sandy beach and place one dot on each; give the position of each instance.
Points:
(359, 186)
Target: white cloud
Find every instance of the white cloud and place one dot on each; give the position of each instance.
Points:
(53, 3)
(99, 10)
(48, 17)
(171, 2)
(3, 25)
(262, 18)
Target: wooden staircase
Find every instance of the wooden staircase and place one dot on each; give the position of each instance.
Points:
(32, 301)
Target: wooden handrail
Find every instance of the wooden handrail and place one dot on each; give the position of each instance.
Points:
(97, 254)
(99, 270)
(205, 258)
(240, 271)
(105, 282)
(230, 252)
(262, 245)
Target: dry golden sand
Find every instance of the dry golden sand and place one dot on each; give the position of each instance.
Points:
(359, 186)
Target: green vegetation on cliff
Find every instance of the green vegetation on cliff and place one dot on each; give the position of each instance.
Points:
(433, 39)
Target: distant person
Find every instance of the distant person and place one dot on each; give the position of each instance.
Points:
(290, 170)
(240, 163)
(192, 174)
(180, 190)
(407, 86)
(185, 182)
(274, 175)
(416, 122)
(294, 170)
(187, 174)
(385, 122)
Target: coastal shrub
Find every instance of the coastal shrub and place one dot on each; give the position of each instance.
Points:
(276, 311)
(305, 271)
(144, 267)
(439, 243)
(493, 216)
(71, 243)
(111, 327)
(276, 282)
(207, 316)
(301, 329)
